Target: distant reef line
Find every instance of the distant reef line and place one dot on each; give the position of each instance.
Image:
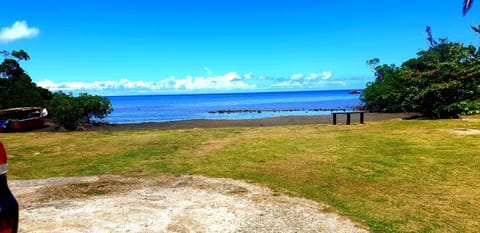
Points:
(231, 111)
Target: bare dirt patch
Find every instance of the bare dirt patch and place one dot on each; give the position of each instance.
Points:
(463, 131)
(475, 120)
(166, 204)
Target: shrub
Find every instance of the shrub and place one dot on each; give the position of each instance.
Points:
(68, 111)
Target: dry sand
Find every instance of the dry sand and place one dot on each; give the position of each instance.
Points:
(276, 121)
(167, 204)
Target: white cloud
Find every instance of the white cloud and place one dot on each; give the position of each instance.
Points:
(315, 76)
(222, 83)
(300, 77)
(230, 81)
(312, 80)
(248, 75)
(17, 31)
(326, 75)
(121, 84)
(297, 76)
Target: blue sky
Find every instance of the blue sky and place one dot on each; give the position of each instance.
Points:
(186, 46)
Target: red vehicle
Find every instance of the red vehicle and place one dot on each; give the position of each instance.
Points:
(21, 119)
(8, 203)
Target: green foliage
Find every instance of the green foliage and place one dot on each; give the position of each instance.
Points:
(11, 69)
(69, 111)
(442, 82)
(65, 110)
(18, 90)
(94, 106)
(20, 55)
(16, 86)
(469, 107)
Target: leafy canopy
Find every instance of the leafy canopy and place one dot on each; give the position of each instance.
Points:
(18, 90)
(94, 106)
(70, 112)
(16, 86)
(441, 82)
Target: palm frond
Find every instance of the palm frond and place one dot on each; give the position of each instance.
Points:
(428, 35)
(467, 4)
(476, 28)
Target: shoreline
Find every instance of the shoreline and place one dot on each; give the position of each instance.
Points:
(263, 122)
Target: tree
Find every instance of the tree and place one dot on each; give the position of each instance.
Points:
(441, 82)
(428, 35)
(382, 95)
(18, 90)
(11, 69)
(94, 106)
(65, 110)
(16, 86)
(20, 55)
(69, 111)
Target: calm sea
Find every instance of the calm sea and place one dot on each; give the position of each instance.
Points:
(162, 108)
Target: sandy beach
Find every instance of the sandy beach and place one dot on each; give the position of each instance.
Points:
(266, 122)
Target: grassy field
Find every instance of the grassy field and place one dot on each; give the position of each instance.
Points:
(391, 176)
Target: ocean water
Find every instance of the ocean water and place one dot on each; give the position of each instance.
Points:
(236, 106)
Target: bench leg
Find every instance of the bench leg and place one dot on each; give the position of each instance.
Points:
(348, 118)
(361, 118)
(334, 119)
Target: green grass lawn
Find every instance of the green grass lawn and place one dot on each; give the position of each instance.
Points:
(391, 176)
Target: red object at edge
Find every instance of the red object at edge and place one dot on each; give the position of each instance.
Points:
(3, 154)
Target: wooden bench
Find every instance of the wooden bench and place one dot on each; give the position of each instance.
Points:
(334, 114)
